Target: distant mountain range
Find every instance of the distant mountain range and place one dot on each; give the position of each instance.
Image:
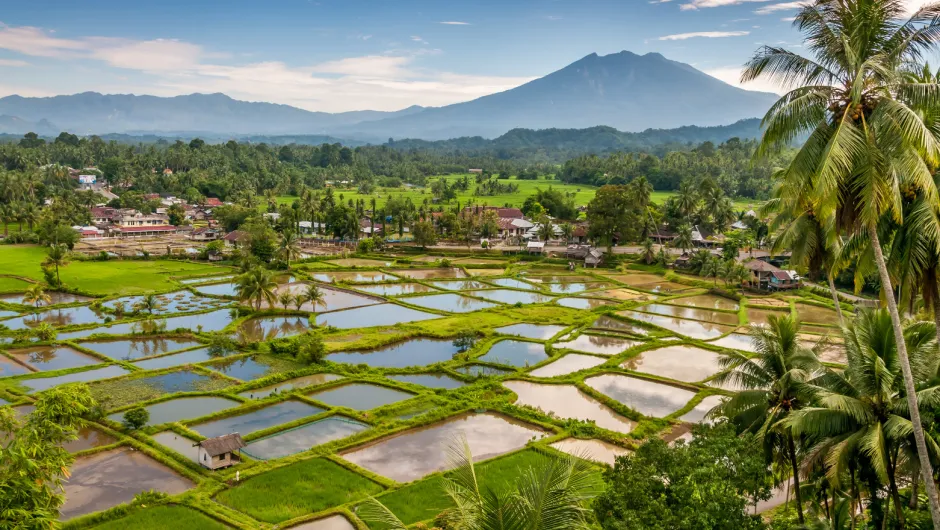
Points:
(624, 91)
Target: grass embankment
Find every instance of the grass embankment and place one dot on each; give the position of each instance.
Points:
(115, 277)
(163, 518)
(296, 490)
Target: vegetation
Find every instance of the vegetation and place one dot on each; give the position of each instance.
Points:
(136, 418)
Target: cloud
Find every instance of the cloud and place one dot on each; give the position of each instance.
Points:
(454, 23)
(659, 1)
(13, 63)
(701, 4)
(773, 8)
(732, 76)
(705, 34)
(165, 67)
(416, 38)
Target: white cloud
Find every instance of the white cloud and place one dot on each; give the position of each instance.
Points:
(417, 38)
(700, 4)
(13, 63)
(659, 1)
(454, 23)
(773, 8)
(705, 34)
(732, 76)
(165, 67)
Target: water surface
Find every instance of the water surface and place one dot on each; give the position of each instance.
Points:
(244, 368)
(290, 384)
(177, 302)
(89, 438)
(67, 316)
(531, 331)
(418, 452)
(414, 352)
(615, 324)
(511, 282)
(131, 349)
(692, 313)
(48, 358)
(302, 438)
(508, 296)
(460, 285)
(690, 328)
(761, 317)
(432, 273)
(574, 287)
(429, 380)
(698, 413)
(566, 401)
(736, 341)
(353, 277)
(568, 364)
(376, 315)
(219, 289)
(596, 450)
(256, 420)
(683, 363)
(184, 408)
(597, 344)
(359, 396)
(45, 383)
(9, 367)
(177, 359)
(55, 298)
(181, 444)
(515, 353)
(395, 289)
(452, 303)
(583, 303)
(259, 329)
(813, 313)
(333, 299)
(332, 522)
(647, 398)
(708, 301)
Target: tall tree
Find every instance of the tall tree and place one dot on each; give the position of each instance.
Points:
(57, 256)
(289, 248)
(867, 140)
(257, 286)
(613, 215)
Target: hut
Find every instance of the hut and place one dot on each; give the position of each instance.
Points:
(218, 452)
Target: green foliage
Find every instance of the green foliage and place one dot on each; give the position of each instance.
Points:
(465, 340)
(163, 518)
(706, 484)
(135, 418)
(365, 245)
(424, 234)
(615, 212)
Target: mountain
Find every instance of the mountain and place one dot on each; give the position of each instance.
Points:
(94, 113)
(625, 91)
(17, 125)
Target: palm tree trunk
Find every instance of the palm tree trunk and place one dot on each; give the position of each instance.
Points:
(910, 392)
(791, 449)
(914, 485)
(835, 297)
(895, 496)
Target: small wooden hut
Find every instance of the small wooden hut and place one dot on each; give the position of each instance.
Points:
(219, 452)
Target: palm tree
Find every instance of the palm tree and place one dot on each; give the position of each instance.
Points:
(36, 295)
(545, 229)
(862, 411)
(712, 269)
(298, 301)
(286, 299)
(315, 296)
(257, 285)
(289, 248)
(866, 139)
(567, 231)
(687, 200)
(552, 495)
(683, 238)
(773, 384)
(149, 303)
(57, 256)
(648, 252)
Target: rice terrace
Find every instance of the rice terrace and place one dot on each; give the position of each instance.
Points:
(589, 361)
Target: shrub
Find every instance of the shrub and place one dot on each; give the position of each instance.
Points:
(366, 245)
(312, 350)
(136, 418)
(465, 340)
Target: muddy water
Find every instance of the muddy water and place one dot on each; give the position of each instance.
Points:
(177, 359)
(566, 401)
(597, 344)
(698, 413)
(515, 353)
(708, 301)
(94, 485)
(568, 364)
(507, 296)
(431, 273)
(648, 398)
(820, 315)
(452, 303)
(89, 438)
(354, 277)
(416, 352)
(735, 341)
(395, 289)
(690, 328)
(692, 313)
(429, 380)
(290, 384)
(48, 358)
(596, 450)
(419, 452)
(614, 324)
(359, 396)
(376, 315)
(256, 420)
(683, 363)
(583, 303)
(185, 408)
(138, 348)
(531, 331)
(302, 438)
(761, 317)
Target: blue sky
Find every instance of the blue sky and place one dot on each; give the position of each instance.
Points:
(338, 55)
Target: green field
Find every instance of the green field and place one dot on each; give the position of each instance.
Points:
(582, 194)
(164, 518)
(101, 277)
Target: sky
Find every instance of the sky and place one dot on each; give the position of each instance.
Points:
(341, 55)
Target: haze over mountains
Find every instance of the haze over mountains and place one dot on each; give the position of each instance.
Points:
(625, 91)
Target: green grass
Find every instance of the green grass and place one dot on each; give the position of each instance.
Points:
(582, 194)
(12, 284)
(103, 277)
(163, 518)
(298, 489)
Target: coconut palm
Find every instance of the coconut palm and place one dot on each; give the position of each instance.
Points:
(866, 140)
(687, 200)
(567, 231)
(683, 238)
(545, 229)
(286, 299)
(711, 269)
(36, 295)
(289, 248)
(773, 385)
(149, 303)
(257, 286)
(862, 412)
(649, 254)
(57, 256)
(552, 495)
(314, 295)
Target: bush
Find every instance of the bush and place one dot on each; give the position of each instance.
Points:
(312, 350)
(366, 245)
(136, 418)
(465, 340)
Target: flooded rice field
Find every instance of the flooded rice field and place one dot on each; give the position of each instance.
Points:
(9, 367)
(376, 315)
(429, 380)
(573, 287)
(333, 299)
(353, 277)
(515, 353)
(735, 341)
(256, 420)
(414, 352)
(45, 383)
(646, 397)
(300, 439)
(460, 285)
(689, 328)
(583, 303)
(700, 411)
(331, 522)
(184, 408)
(176, 442)
(89, 438)
(67, 316)
(820, 315)
(531, 331)
(395, 289)
(568, 364)
(607, 323)
(55, 298)
(258, 329)
(708, 301)
(761, 317)
(358, 262)
(480, 370)
(418, 452)
(219, 289)
(566, 401)
(596, 450)
(513, 283)
(359, 396)
(507, 296)
(48, 358)
(452, 303)
(131, 349)
(177, 302)
(426, 274)
(692, 313)
(599, 344)
(176, 359)
(289, 385)
(683, 363)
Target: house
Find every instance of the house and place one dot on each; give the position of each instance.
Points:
(103, 215)
(235, 238)
(594, 258)
(663, 235)
(206, 234)
(535, 247)
(502, 212)
(580, 234)
(512, 227)
(167, 171)
(475, 170)
(212, 202)
(134, 223)
(768, 277)
(683, 262)
(577, 251)
(219, 452)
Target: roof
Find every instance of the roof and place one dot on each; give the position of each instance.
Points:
(510, 213)
(235, 235)
(535, 244)
(519, 222)
(580, 231)
(212, 201)
(757, 265)
(164, 228)
(222, 444)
